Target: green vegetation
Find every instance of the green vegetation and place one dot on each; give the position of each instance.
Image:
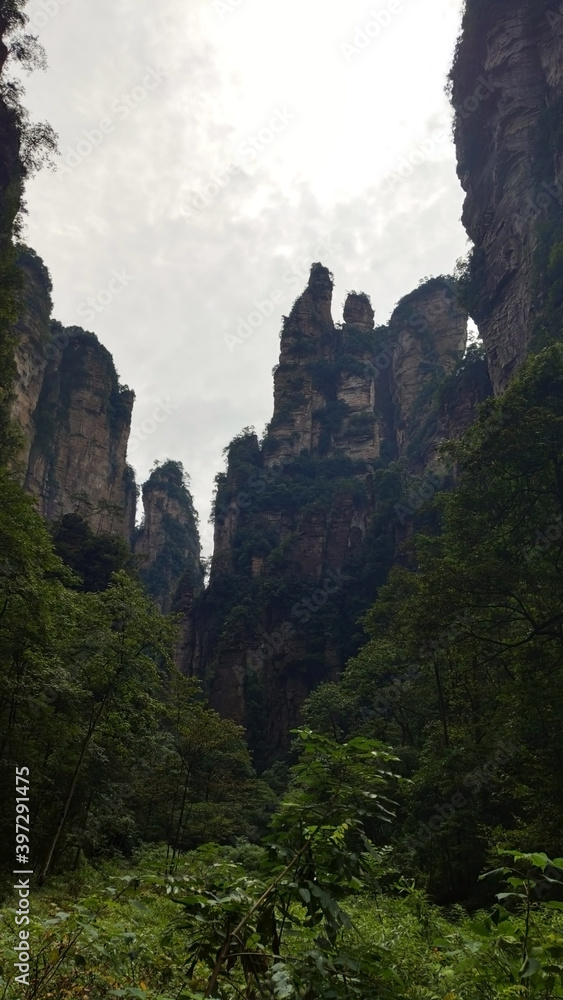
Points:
(94, 558)
(180, 536)
(302, 491)
(89, 699)
(318, 910)
(462, 673)
(165, 866)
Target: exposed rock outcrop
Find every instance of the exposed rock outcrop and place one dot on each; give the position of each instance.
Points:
(507, 89)
(81, 425)
(75, 418)
(308, 337)
(168, 540)
(11, 187)
(73, 415)
(64, 417)
(300, 547)
(428, 334)
(33, 349)
(324, 385)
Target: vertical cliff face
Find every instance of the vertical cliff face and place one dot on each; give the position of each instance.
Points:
(72, 414)
(81, 427)
(33, 347)
(305, 529)
(507, 90)
(64, 417)
(11, 169)
(168, 540)
(345, 389)
(308, 336)
(324, 385)
(74, 419)
(11, 186)
(427, 338)
(359, 433)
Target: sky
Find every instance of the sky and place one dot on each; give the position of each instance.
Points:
(210, 152)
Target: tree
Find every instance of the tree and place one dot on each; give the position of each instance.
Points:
(94, 557)
(463, 670)
(319, 851)
(203, 785)
(119, 639)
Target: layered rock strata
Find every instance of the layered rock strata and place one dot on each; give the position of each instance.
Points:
(299, 545)
(507, 91)
(81, 424)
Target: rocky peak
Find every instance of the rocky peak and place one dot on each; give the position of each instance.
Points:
(295, 515)
(307, 336)
(324, 384)
(427, 337)
(358, 312)
(310, 315)
(320, 284)
(168, 540)
(507, 92)
(34, 348)
(80, 430)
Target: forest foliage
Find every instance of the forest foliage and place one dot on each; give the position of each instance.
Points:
(165, 866)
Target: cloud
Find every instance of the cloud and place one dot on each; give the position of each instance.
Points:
(324, 176)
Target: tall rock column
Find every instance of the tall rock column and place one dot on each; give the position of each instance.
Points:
(33, 349)
(427, 336)
(307, 334)
(359, 434)
(81, 429)
(507, 91)
(168, 540)
(305, 522)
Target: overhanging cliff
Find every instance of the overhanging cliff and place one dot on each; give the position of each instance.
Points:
(507, 92)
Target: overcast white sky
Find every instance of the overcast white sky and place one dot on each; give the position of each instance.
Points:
(346, 108)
